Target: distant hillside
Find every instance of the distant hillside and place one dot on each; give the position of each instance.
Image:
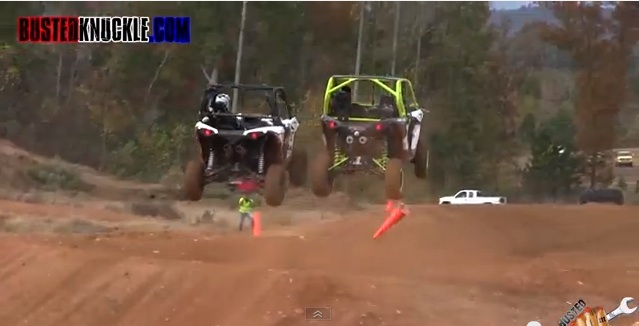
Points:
(520, 17)
(525, 15)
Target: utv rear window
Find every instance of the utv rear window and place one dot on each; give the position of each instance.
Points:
(367, 100)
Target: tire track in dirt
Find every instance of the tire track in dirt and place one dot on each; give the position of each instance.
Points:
(444, 265)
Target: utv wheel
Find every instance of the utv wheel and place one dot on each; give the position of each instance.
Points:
(419, 162)
(394, 179)
(275, 184)
(321, 182)
(297, 167)
(193, 180)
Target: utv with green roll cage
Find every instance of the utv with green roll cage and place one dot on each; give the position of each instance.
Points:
(370, 124)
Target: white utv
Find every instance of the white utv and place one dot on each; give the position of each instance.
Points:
(257, 145)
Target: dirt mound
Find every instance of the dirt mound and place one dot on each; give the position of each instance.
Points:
(22, 170)
(13, 172)
(442, 265)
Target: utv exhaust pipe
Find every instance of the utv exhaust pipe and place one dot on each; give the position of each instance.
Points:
(349, 139)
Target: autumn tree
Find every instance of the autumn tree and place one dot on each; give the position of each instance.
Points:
(601, 48)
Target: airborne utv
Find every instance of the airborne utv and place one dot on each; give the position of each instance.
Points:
(373, 127)
(234, 148)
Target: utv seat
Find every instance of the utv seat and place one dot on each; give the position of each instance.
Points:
(340, 105)
(223, 122)
(254, 122)
(358, 110)
(386, 108)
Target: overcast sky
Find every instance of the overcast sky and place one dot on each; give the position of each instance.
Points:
(506, 4)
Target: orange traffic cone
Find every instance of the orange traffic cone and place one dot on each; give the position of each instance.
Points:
(389, 206)
(391, 220)
(257, 224)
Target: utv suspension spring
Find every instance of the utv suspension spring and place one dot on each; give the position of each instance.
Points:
(260, 163)
(338, 156)
(210, 161)
(384, 160)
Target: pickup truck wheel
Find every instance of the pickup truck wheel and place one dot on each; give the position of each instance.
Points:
(275, 184)
(419, 162)
(297, 167)
(394, 179)
(193, 180)
(445, 203)
(321, 181)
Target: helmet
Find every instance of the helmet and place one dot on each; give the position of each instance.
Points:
(222, 100)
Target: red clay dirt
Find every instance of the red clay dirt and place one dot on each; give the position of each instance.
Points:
(439, 266)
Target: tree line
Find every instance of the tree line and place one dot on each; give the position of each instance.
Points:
(499, 99)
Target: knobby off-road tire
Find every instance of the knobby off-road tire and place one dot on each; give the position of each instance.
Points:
(193, 180)
(394, 179)
(419, 163)
(275, 184)
(321, 182)
(298, 167)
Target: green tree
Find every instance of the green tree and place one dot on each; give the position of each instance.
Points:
(555, 167)
(130, 108)
(472, 97)
(527, 129)
(560, 128)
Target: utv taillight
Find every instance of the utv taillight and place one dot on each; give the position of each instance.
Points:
(254, 135)
(379, 127)
(207, 132)
(332, 124)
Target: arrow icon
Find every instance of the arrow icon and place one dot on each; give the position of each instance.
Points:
(318, 313)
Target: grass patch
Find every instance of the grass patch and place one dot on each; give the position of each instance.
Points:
(217, 194)
(51, 177)
(20, 225)
(24, 225)
(77, 226)
(155, 209)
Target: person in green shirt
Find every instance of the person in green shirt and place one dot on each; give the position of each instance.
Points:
(245, 207)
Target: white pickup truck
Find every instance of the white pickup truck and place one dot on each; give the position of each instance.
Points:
(470, 197)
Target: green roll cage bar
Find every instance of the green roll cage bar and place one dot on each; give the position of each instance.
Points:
(397, 93)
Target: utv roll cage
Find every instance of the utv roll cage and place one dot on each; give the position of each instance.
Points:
(275, 97)
(399, 91)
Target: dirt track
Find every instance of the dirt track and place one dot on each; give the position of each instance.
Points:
(441, 266)
(95, 262)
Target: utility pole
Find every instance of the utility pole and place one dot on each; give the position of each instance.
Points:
(395, 36)
(358, 57)
(420, 34)
(238, 59)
